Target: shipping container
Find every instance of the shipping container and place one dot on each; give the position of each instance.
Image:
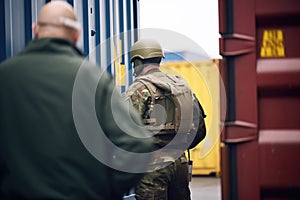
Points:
(260, 142)
(203, 79)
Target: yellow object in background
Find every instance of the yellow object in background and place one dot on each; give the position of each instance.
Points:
(203, 78)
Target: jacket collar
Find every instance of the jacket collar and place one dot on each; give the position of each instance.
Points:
(150, 69)
(52, 45)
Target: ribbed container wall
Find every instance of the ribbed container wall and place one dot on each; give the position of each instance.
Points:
(261, 72)
(108, 31)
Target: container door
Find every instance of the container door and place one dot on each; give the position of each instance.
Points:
(261, 72)
(278, 83)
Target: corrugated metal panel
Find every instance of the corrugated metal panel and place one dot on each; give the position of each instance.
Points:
(91, 10)
(130, 36)
(28, 20)
(78, 9)
(2, 32)
(237, 46)
(85, 26)
(278, 82)
(107, 31)
(261, 72)
(14, 26)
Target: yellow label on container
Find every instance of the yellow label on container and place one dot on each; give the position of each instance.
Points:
(272, 44)
(120, 73)
(123, 75)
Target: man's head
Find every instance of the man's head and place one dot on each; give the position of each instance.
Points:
(145, 52)
(57, 19)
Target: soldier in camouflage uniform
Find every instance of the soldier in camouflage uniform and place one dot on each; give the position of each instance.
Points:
(171, 181)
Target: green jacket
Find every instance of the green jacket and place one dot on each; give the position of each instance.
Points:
(42, 152)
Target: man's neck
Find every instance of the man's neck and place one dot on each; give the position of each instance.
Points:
(149, 67)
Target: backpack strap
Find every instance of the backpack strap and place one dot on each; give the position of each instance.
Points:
(150, 103)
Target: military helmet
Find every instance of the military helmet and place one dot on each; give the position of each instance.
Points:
(145, 49)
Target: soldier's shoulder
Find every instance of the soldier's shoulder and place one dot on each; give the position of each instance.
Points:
(137, 86)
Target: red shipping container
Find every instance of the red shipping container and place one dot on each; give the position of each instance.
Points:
(260, 155)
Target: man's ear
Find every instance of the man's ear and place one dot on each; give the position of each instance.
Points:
(77, 35)
(35, 30)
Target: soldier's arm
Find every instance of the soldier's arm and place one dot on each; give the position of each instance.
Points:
(199, 121)
(139, 95)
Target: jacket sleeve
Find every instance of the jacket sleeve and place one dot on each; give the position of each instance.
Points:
(123, 126)
(138, 95)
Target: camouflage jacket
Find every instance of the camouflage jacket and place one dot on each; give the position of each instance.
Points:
(139, 95)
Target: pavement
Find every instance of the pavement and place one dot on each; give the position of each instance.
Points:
(206, 188)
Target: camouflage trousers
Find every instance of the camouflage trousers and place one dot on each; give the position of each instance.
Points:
(168, 183)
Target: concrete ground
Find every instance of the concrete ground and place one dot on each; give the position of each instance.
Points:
(206, 188)
(202, 187)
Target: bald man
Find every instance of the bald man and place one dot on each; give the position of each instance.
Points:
(53, 22)
(51, 147)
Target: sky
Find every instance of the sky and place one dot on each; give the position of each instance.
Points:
(196, 20)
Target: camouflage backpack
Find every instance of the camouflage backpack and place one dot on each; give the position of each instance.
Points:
(170, 106)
